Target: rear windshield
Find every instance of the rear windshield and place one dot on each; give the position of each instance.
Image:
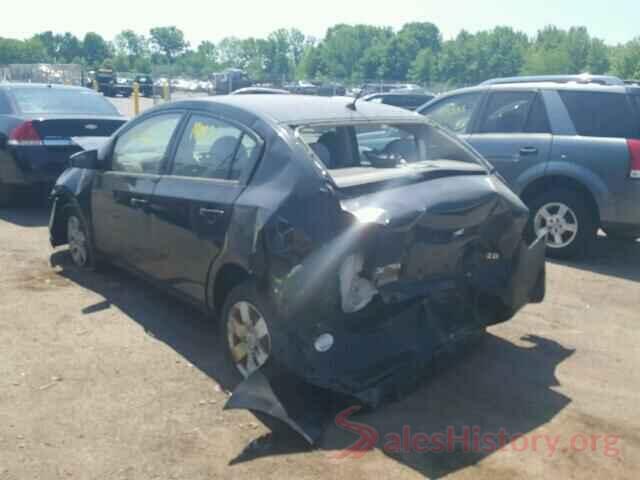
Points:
(383, 146)
(598, 114)
(61, 101)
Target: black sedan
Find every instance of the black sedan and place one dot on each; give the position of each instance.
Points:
(342, 244)
(37, 126)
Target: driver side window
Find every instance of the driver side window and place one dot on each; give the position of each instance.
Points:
(143, 148)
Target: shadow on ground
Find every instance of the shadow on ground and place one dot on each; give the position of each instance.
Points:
(499, 385)
(612, 257)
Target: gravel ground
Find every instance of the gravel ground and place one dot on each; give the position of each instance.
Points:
(103, 377)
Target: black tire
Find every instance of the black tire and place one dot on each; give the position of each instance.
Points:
(245, 292)
(579, 207)
(7, 195)
(88, 260)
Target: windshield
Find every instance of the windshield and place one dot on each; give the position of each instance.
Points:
(62, 101)
(383, 145)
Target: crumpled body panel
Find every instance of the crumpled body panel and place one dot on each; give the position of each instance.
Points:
(446, 257)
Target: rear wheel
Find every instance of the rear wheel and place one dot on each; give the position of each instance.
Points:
(246, 322)
(566, 221)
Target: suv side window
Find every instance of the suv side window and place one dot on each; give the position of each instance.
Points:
(455, 113)
(143, 148)
(600, 114)
(211, 148)
(506, 112)
(538, 121)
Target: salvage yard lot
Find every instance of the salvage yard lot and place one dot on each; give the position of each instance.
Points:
(103, 377)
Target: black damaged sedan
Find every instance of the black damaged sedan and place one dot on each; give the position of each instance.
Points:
(343, 243)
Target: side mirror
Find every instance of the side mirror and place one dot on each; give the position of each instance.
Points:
(87, 159)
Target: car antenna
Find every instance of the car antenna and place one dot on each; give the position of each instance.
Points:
(352, 105)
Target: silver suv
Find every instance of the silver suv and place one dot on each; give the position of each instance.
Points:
(570, 150)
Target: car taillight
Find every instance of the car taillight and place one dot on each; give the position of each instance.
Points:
(634, 152)
(25, 134)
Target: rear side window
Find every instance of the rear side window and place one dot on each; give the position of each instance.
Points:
(598, 114)
(507, 112)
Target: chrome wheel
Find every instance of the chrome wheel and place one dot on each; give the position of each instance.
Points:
(248, 337)
(558, 223)
(77, 241)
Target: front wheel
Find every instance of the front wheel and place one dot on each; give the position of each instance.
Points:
(562, 216)
(247, 320)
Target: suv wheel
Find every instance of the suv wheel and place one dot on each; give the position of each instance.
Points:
(246, 322)
(562, 215)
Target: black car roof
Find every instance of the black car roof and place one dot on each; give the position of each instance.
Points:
(296, 109)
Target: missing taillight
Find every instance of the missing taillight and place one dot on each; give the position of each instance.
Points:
(634, 153)
(24, 134)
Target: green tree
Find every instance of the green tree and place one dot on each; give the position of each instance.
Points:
(169, 41)
(70, 48)
(423, 68)
(345, 45)
(21, 51)
(626, 59)
(95, 49)
(131, 44)
(598, 59)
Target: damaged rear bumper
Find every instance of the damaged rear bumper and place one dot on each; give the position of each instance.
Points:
(376, 365)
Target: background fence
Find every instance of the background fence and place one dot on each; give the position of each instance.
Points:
(68, 73)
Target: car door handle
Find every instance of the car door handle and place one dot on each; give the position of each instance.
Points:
(139, 202)
(528, 151)
(211, 214)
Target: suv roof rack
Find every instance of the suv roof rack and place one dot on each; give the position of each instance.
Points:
(584, 78)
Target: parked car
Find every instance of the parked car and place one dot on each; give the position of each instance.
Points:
(570, 150)
(407, 99)
(145, 84)
(106, 79)
(260, 91)
(584, 78)
(341, 263)
(228, 80)
(37, 126)
(123, 85)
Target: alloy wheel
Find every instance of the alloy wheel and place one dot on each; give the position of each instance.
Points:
(249, 339)
(558, 223)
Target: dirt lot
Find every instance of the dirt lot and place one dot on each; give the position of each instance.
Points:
(103, 377)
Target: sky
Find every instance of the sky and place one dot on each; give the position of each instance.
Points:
(615, 21)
